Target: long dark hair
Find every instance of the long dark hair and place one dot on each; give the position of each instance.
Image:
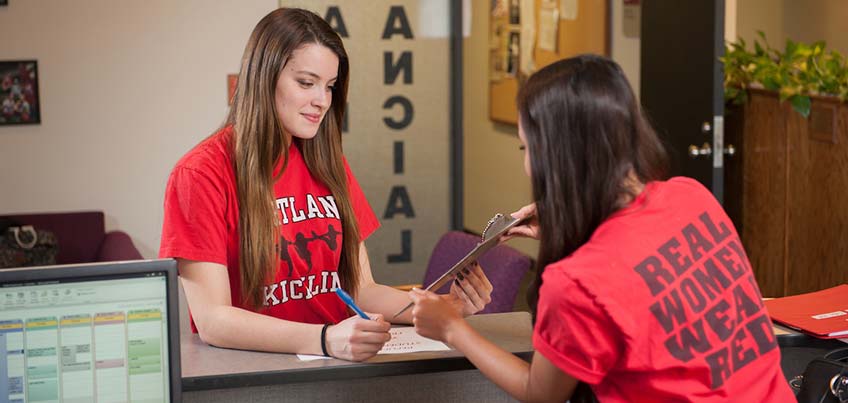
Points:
(260, 141)
(585, 134)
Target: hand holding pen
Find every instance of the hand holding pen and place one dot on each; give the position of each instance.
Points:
(350, 304)
(358, 337)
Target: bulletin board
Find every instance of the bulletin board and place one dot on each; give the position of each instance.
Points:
(526, 35)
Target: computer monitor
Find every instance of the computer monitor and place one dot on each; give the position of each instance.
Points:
(104, 332)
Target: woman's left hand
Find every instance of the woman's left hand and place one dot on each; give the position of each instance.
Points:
(471, 290)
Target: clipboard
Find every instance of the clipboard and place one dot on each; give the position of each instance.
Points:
(497, 226)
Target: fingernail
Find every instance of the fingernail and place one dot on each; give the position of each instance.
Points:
(466, 271)
(459, 276)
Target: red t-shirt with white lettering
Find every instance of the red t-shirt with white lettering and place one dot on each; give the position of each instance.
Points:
(201, 223)
(661, 305)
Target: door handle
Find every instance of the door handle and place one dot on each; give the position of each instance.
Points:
(695, 151)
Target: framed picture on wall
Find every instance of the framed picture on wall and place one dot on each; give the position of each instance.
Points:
(19, 102)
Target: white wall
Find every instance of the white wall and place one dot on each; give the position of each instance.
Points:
(126, 88)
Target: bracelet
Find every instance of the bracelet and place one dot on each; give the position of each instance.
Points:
(324, 339)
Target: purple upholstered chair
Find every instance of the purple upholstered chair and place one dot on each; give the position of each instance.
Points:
(81, 236)
(504, 266)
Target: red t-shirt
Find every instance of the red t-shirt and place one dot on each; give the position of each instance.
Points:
(661, 305)
(201, 223)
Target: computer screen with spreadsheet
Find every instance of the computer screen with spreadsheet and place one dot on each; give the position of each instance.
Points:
(103, 332)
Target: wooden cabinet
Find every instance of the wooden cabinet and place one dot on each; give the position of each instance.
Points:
(787, 191)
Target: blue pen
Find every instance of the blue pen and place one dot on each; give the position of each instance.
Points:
(349, 301)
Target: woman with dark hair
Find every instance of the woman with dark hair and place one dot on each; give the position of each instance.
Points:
(266, 219)
(643, 291)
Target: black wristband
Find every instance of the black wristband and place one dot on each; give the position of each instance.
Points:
(324, 340)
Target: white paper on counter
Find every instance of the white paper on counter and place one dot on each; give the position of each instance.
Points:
(404, 340)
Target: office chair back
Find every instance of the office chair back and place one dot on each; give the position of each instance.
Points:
(503, 265)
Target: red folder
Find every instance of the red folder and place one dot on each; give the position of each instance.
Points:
(823, 314)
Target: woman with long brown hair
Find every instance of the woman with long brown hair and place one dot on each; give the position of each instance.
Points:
(266, 219)
(643, 291)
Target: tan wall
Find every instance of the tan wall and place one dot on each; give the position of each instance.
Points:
(494, 179)
(814, 20)
(805, 21)
(493, 166)
(499, 187)
(762, 15)
(494, 174)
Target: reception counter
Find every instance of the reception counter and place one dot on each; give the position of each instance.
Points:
(211, 374)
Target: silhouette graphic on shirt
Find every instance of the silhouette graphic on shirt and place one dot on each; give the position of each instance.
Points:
(283, 249)
(301, 246)
(329, 238)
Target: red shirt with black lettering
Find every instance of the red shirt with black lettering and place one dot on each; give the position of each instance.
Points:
(201, 223)
(661, 305)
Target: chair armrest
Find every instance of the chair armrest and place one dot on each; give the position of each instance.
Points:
(117, 245)
(407, 287)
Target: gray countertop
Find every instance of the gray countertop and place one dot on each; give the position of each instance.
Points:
(206, 367)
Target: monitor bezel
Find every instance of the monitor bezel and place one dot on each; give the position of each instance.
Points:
(97, 271)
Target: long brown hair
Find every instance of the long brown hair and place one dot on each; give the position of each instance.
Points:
(259, 142)
(585, 133)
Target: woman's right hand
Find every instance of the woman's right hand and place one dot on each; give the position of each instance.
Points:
(357, 339)
(530, 228)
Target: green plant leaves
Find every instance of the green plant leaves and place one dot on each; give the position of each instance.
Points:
(796, 73)
(801, 104)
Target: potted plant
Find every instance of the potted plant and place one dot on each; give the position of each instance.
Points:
(787, 117)
(800, 71)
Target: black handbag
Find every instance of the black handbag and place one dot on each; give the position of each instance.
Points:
(825, 380)
(23, 245)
